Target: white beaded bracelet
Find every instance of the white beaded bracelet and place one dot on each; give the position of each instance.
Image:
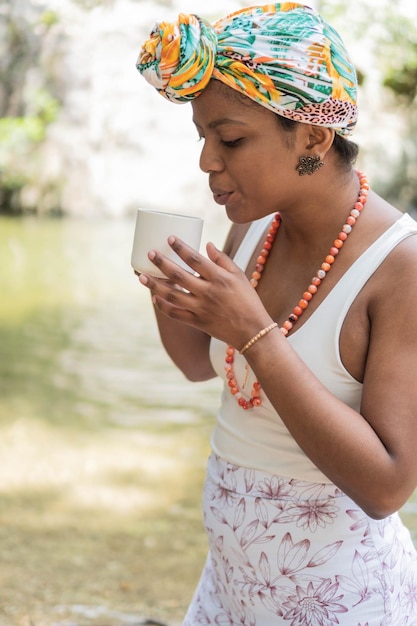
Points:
(255, 338)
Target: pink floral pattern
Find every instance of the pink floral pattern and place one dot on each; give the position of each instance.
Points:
(292, 553)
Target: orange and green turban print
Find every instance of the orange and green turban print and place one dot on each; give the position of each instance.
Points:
(284, 56)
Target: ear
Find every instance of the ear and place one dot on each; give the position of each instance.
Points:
(317, 139)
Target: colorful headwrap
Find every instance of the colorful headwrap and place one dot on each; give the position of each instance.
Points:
(283, 56)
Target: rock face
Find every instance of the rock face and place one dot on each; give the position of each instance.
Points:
(117, 144)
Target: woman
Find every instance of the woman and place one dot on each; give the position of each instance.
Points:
(314, 446)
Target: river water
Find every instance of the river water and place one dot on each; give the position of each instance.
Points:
(78, 326)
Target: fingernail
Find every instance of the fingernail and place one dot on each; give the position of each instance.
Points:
(151, 255)
(171, 240)
(143, 279)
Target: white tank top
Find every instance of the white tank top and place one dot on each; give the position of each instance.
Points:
(258, 438)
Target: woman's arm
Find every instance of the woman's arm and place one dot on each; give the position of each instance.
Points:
(188, 347)
(370, 455)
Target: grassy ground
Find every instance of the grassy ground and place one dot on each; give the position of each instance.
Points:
(104, 519)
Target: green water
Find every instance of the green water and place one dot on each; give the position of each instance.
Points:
(77, 337)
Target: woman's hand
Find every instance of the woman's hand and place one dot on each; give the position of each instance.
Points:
(218, 300)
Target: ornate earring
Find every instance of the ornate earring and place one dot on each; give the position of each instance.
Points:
(309, 165)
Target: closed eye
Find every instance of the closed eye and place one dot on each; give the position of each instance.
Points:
(232, 144)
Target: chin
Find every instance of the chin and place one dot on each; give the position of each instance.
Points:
(244, 217)
(239, 216)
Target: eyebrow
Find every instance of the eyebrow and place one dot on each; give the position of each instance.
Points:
(222, 121)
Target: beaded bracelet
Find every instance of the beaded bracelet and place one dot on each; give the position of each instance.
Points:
(255, 338)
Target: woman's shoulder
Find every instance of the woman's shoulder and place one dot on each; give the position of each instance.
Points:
(381, 219)
(398, 270)
(402, 259)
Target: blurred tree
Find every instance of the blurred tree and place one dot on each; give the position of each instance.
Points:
(386, 35)
(27, 105)
(399, 58)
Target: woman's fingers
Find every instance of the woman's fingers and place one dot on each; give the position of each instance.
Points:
(202, 299)
(201, 266)
(220, 258)
(184, 295)
(189, 255)
(169, 298)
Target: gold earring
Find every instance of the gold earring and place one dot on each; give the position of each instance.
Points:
(309, 165)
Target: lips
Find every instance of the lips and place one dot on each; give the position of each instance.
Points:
(220, 196)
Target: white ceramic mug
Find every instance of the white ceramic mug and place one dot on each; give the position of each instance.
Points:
(151, 233)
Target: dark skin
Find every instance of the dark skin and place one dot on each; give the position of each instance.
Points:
(251, 163)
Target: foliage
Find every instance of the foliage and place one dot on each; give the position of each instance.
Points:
(400, 61)
(389, 35)
(19, 138)
(27, 103)
(400, 77)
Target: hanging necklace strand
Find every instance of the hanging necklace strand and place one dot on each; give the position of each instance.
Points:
(255, 399)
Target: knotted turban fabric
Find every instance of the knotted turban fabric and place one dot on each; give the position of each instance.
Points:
(284, 56)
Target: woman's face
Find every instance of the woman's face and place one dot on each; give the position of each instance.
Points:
(251, 160)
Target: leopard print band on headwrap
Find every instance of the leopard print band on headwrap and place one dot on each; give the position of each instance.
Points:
(283, 56)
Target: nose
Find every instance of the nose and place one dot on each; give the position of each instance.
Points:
(210, 160)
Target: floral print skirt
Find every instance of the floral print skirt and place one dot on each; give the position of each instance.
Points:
(294, 553)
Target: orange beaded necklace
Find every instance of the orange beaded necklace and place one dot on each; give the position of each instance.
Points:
(255, 397)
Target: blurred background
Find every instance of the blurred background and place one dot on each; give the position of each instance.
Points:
(103, 443)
